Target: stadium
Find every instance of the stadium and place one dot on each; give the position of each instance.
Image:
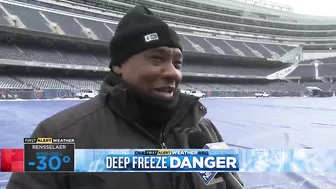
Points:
(54, 49)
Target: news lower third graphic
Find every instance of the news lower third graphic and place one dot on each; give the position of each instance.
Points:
(49, 154)
(228, 160)
(60, 155)
(155, 160)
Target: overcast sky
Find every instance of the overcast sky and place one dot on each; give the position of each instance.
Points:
(311, 7)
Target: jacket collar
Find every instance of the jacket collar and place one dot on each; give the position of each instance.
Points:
(118, 100)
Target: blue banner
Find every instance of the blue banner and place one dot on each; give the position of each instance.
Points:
(171, 163)
(232, 160)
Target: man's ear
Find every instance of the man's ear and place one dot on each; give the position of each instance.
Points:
(117, 70)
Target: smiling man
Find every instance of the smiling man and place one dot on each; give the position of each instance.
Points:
(139, 106)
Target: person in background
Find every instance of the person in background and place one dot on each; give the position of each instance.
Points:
(139, 106)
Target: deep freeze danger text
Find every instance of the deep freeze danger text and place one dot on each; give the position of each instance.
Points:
(136, 162)
(169, 162)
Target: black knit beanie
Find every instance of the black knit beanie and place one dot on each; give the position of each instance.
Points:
(138, 31)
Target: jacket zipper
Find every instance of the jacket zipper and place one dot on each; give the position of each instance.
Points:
(163, 146)
(162, 143)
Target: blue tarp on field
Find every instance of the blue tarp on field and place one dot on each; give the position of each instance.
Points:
(243, 123)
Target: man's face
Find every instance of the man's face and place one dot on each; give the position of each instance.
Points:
(156, 71)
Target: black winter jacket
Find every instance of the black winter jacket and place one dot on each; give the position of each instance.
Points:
(105, 122)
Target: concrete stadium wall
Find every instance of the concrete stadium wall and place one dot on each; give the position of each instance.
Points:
(248, 94)
(61, 93)
(35, 94)
(229, 93)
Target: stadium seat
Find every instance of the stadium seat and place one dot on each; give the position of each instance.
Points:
(79, 26)
(228, 70)
(7, 82)
(260, 48)
(9, 51)
(31, 18)
(67, 23)
(303, 71)
(208, 48)
(3, 20)
(81, 84)
(82, 58)
(43, 82)
(327, 70)
(39, 54)
(276, 48)
(328, 60)
(75, 26)
(98, 28)
(247, 51)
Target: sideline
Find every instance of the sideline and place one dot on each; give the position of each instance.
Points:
(206, 98)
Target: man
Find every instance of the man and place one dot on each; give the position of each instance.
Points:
(139, 106)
